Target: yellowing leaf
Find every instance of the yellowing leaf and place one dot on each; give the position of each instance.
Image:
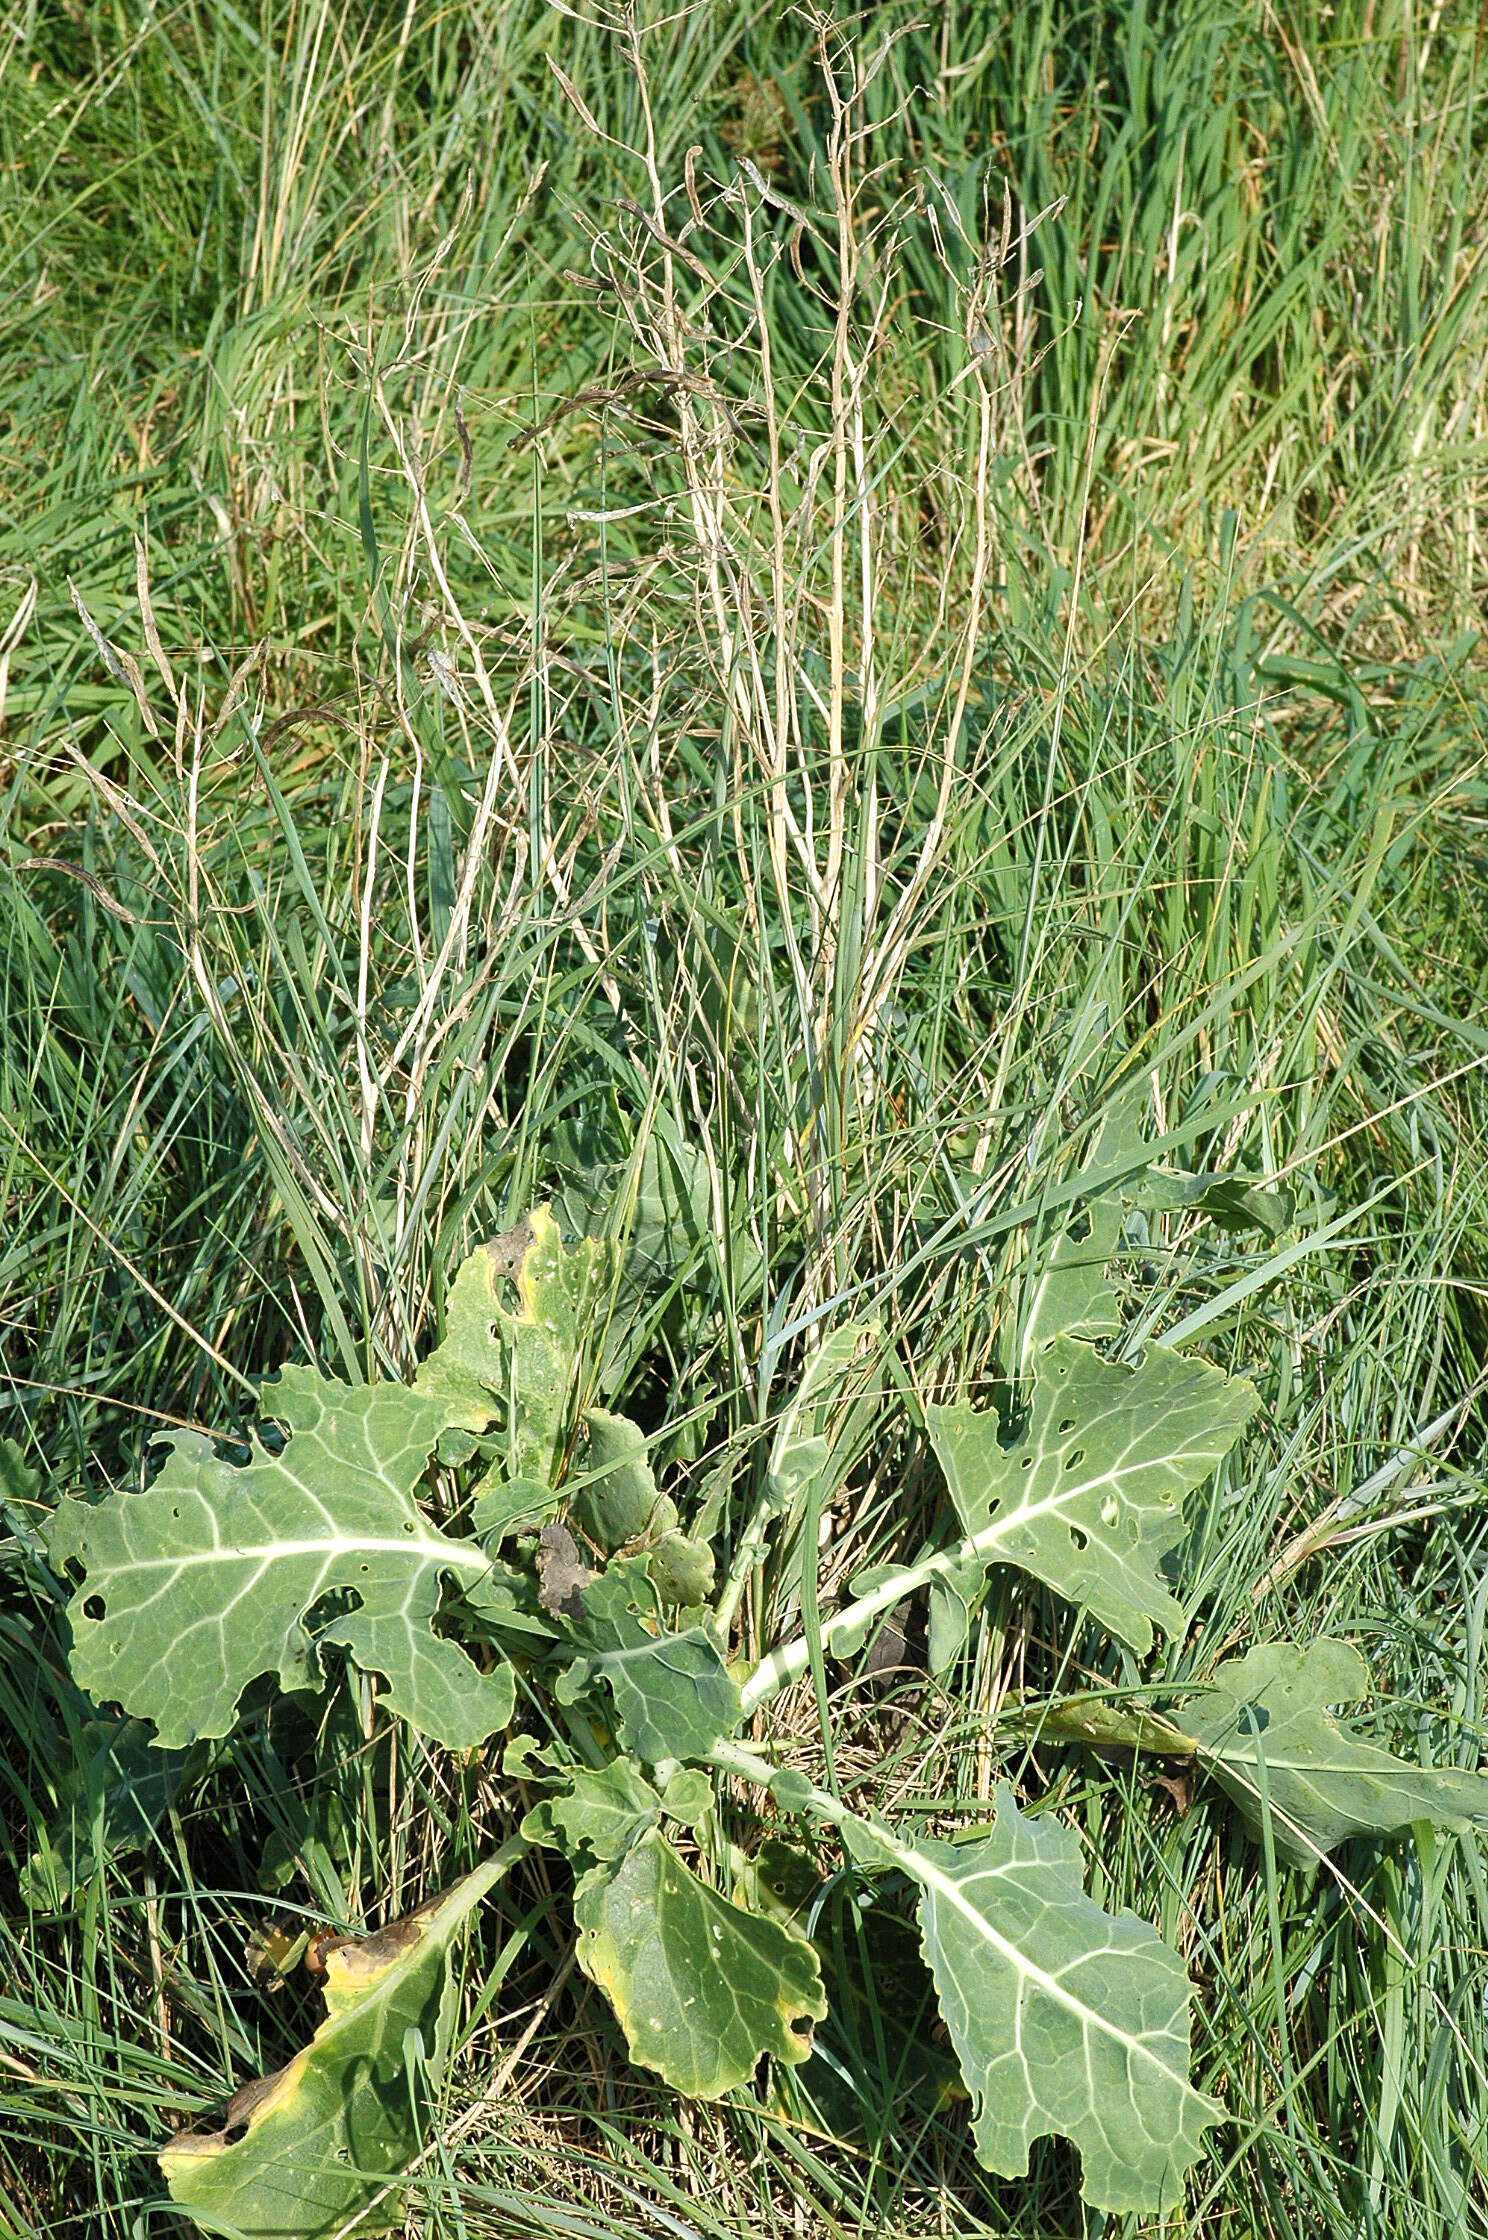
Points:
(304, 2153)
(701, 1987)
(518, 1369)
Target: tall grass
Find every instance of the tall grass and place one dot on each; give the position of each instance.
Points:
(822, 601)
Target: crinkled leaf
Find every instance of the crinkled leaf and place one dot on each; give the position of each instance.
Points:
(701, 1987)
(562, 1573)
(1089, 1494)
(305, 2152)
(673, 1695)
(518, 1370)
(1066, 2020)
(601, 1812)
(1267, 1713)
(613, 1497)
(116, 1792)
(202, 1582)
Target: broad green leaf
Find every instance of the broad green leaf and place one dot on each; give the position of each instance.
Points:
(673, 1695)
(1066, 2020)
(203, 1582)
(614, 1498)
(701, 1987)
(1088, 1495)
(518, 1369)
(304, 2153)
(115, 1794)
(1266, 1716)
(601, 1812)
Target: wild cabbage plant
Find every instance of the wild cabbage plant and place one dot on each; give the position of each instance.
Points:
(487, 1540)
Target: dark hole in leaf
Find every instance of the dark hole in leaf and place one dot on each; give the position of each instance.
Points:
(1075, 1456)
(1066, 1423)
(272, 1436)
(1081, 1539)
(801, 2024)
(93, 1607)
(1079, 1228)
(1026, 1463)
(408, 1526)
(1254, 1718)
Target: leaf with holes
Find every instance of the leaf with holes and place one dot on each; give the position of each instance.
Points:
(204, 1581)
(1264, 1727)
(306, 2153)
(1066, 2020)
(1088, 1495)
(702, 1988)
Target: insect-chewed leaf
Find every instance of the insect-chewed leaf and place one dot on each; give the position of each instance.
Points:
(518, 1369)
(601, 1812)
(303, 2153)
(701, 1987)
(1088, 1497)
(673, 1694)
(1266, 1719)
(202, 1582)
(1066, 2020)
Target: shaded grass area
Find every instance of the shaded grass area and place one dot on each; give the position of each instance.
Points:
(821, 606)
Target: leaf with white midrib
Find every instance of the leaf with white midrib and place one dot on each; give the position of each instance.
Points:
(203, 1582)
(1088, 1495)
(1066, 2020)
(1264, 1730)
